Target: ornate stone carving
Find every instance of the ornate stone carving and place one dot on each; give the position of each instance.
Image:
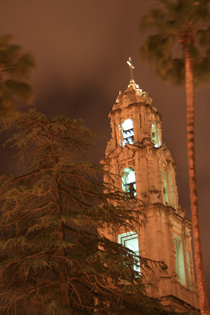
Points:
(131, 163)
(110, 147)
(154, 196)
(125, 154)
(182, 212)
(121, 167)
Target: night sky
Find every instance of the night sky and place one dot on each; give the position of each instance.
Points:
(81, 48)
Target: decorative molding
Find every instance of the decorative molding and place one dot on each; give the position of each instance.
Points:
(182, 212)
(131, 163)
(121, 167)
(125, 154)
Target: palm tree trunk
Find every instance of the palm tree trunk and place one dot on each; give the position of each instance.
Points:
(193, 184)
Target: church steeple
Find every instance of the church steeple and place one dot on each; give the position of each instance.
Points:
(137, 134)
(146, 170)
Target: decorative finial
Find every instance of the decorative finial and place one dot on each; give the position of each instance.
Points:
(131, 69)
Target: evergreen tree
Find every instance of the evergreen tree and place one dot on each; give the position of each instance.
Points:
(180, 51)
(54, 258)
(15, 67)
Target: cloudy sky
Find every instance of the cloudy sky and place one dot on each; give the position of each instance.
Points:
(81, 48)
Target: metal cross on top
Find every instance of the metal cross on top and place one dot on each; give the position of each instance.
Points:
(131, 69)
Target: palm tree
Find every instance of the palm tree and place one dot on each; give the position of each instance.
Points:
(15, 67)
(180, 52)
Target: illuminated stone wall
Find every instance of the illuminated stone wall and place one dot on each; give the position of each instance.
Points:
(136, 146)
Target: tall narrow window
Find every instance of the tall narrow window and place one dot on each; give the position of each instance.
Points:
(188, 262)
(130, 240)
(158, 135)
(171, 189)
(165, 194)
(128, 133)
(155, 135)
(129, 182)
(180, 270)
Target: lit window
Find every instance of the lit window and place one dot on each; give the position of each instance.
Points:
(179, 259)
(165, 194)
(130, 240)
(155, 136)
(129, 182)
(128, 133)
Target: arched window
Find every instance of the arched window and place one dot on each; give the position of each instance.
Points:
(165, 194)
(129, 182)
(128, 133)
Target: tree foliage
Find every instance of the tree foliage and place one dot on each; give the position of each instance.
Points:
(15, 67)
(175, 24)
(180, 51)
(54, 258)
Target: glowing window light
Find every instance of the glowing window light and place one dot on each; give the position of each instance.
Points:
(129, 182)
(130, 240)
(128, 133)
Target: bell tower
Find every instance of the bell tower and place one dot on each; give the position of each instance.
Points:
(146, 170)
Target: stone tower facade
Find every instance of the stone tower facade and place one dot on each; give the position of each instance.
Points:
(146, 171)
